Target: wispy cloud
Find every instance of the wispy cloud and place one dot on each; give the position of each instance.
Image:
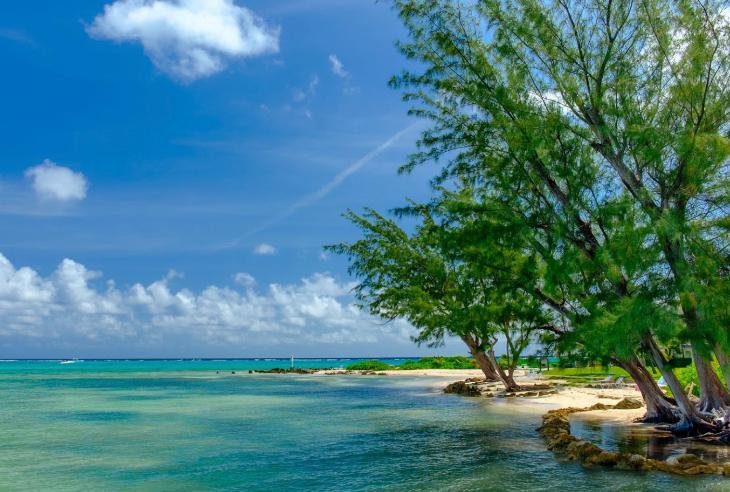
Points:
(336, 181)
(337, 67)
(301, 95)
(16, 35)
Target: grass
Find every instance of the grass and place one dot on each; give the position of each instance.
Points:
(586, 372)
(687, 375)
(584, 375)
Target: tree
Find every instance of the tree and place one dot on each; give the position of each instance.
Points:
(404, 276)
(598, 324)
(424, 278)
(580, 115)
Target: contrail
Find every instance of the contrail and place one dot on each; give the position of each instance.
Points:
(333, 183)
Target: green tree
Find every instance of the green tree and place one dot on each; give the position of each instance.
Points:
(424, 278)
(603, 122)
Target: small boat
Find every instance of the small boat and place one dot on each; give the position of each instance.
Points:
(69, 361)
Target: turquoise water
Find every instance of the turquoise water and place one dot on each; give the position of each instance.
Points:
(172, 425)
(86, 366)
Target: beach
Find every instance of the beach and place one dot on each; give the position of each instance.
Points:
(566, 396)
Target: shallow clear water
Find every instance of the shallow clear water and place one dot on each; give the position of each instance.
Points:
(165, 429)
(645, 440)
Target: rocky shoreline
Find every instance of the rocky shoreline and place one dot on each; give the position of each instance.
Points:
(481, 387)
(555, 430)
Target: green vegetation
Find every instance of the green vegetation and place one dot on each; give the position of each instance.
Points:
(586, 372)
(688, 375)
(370, 365)
(583, 199)
(455, 362)
(458, 362)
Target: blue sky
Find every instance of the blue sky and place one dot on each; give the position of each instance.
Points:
(167, 147)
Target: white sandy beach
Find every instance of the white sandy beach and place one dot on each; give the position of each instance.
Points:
(567, 396)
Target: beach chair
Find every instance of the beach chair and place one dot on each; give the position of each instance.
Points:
(620, 382)
(605, 383)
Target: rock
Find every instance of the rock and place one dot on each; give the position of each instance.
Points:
(635, 462)
(463, 388)
(293, 370)
(582, 450)
(604, 458)
(687, 459)
(600, 406)
(628, 404)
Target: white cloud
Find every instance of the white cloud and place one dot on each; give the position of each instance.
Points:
(187, 39)
(337, 67)
(67, 305)
(301, 95)
(54, 182)
(16, 35)
(245, 279)
(264, 249)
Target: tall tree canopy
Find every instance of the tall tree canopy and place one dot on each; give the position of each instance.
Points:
(602, 127)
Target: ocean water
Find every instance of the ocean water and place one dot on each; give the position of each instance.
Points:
(177, 425)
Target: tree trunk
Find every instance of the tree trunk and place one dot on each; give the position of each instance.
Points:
(485, 365)
(481, 358)
(659, 408)
(724, 360)
(690, 422)
(507, 379)
(713, 395)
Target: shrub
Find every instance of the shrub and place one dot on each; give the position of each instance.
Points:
(687, 375)
(457, 362)
(369, 365)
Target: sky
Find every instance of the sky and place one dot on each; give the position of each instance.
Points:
(170, 170)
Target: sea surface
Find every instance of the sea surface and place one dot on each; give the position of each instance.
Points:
(179, 425)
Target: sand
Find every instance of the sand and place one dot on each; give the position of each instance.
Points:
(567, 396)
